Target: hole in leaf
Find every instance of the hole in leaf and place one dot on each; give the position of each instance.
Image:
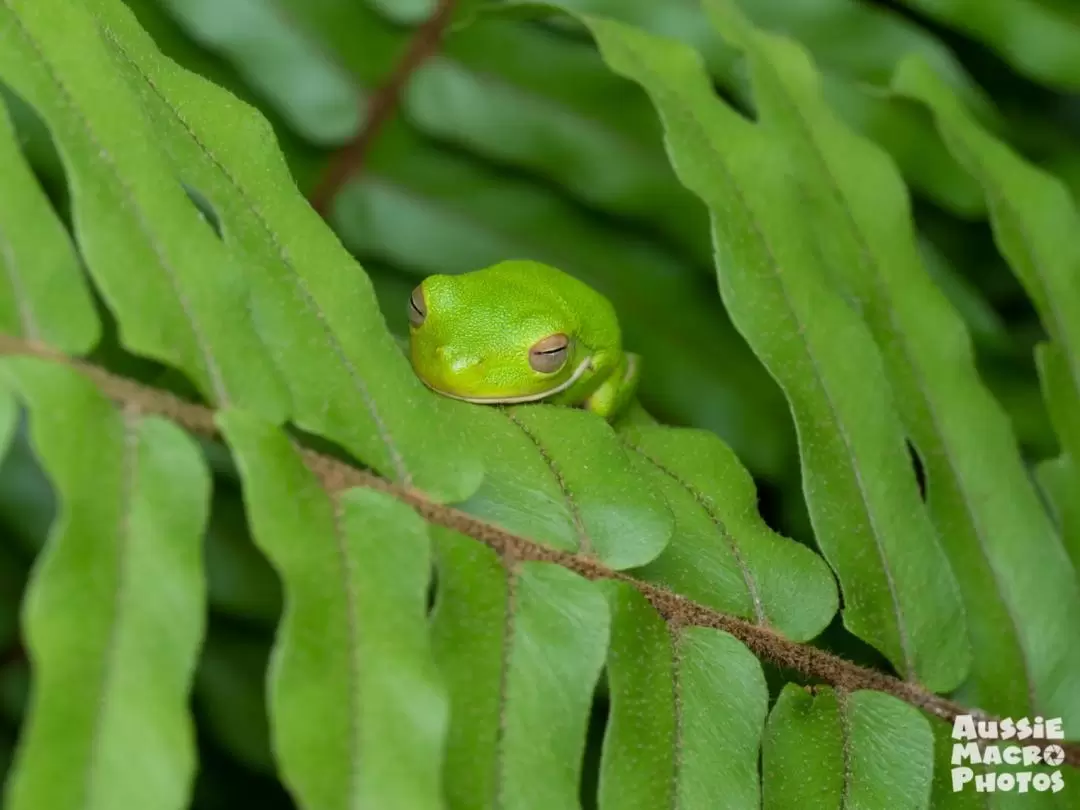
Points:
(204, 207)
(920, 472)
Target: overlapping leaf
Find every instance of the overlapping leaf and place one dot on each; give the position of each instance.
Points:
(358, 710)
(356, 706)
(1017, 585)
(1036, 38)
(618, 517)
(157, 262)
(898, 590)
(1034, 236)
(472, 216)
(1059, 478)
(114, 616)
(180, 292)
(723, 555)
(687, 710)
(829, 750)
(43, 295)
(953, 789)
(520, 648)
(859, 46)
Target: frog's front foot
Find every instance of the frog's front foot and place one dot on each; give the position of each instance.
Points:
(617, 391)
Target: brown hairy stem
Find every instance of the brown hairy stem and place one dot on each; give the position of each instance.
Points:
(336, 476)
(349, 160)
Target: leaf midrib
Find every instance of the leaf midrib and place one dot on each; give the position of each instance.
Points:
(22, 303)
(855, 466)
(401, 470)
(872, 263)
(347, 568)
(585, 546)
(216, 380)
(128, 473)
(699, 498)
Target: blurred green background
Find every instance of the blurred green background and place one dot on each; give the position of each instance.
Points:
(514, 141)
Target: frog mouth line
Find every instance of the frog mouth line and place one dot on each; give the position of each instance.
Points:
(573, 378)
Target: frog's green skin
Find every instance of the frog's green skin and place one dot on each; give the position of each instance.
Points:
(478, 337)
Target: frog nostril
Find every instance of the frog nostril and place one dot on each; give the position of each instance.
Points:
(457, 362)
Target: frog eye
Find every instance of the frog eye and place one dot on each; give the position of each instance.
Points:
(549, 355)
(417, 307)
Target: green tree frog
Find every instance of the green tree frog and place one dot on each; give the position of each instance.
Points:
(520, 331)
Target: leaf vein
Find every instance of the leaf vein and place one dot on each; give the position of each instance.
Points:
(499, 786)
(675, 633)
(217, 383)
(584, 542)
(347, 566)
(873, 264)
(842, 708)
(307, 299)
(22, 303)
(706, 505)
(856, 469)
(129, 471)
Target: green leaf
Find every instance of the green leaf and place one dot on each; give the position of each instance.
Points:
(899, 593)
(942, 796)
(836, 749)
(1036, 40)
(618, 518)
(688, 707)
(520, 650)
(114, 615)
(945, 796)
(723, 554)
(1033, 214)
(559, 476)
(412, 187)
(1016, 583)
(520, 490)
(1059, 479)
(43, 295)
(1034, 217)
(313, 307)
(159, 265)
(472, 217)
(858, 46)
(357, 710)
